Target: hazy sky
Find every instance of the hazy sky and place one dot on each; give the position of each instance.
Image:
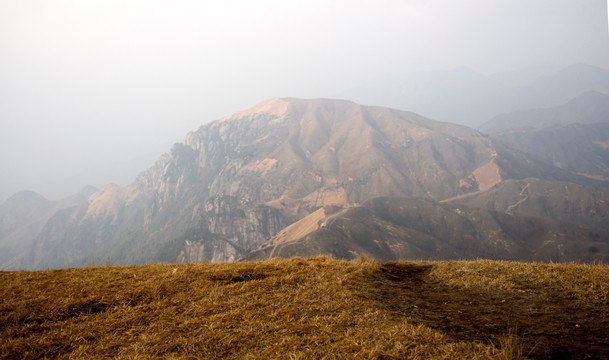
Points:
(88, 86)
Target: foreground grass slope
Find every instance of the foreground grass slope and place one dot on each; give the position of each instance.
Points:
(313, 308)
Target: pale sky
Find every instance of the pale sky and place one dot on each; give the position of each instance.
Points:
(88, 86)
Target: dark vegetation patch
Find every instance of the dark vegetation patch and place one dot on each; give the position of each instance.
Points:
(238, 277)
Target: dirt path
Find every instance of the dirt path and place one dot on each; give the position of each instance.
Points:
(524, 197)
(549, 324)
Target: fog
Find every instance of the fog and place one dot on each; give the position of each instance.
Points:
(91, 92)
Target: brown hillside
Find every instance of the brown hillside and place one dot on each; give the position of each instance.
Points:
(316, 308)
(580, 148)
(587, 207)
(413, 228)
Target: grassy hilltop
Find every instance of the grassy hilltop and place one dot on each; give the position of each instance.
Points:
(314, 308)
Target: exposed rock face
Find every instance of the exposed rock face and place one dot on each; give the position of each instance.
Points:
(167, 206)
(229, 228)
(238, 181)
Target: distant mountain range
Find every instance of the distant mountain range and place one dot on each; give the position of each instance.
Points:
(23, 216)
(574, 136)
(466, 97)
(303, 177)
(587, 108)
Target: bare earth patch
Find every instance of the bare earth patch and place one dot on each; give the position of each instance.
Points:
(302, 227)
(487, 176)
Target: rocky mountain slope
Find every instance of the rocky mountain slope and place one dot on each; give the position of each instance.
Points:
(238, 181)
(574, 137)
(579, 148)
(411, 228)
(584, 206)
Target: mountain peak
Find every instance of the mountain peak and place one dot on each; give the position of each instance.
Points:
(273, 106)
(582, 67)
(27, 194)
(279, 107)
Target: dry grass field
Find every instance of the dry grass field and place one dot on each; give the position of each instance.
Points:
(308, 309)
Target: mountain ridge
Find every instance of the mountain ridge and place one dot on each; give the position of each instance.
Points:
(236, 182)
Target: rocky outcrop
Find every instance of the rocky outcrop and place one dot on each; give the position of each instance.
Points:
(229, 228)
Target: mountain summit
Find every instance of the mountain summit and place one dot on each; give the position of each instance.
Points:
(308, 153)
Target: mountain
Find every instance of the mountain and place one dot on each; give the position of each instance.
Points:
(522, 77)
(409, 228)
(466, 97)
(23, 216)
(574, 136)
(238, 181)
(584, 206)
(588, 108)
(562, 86)
(579, 148)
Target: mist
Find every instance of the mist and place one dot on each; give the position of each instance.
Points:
(91, 92)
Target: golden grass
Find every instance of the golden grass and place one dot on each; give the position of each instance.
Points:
(584, 281)
(277, 309)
